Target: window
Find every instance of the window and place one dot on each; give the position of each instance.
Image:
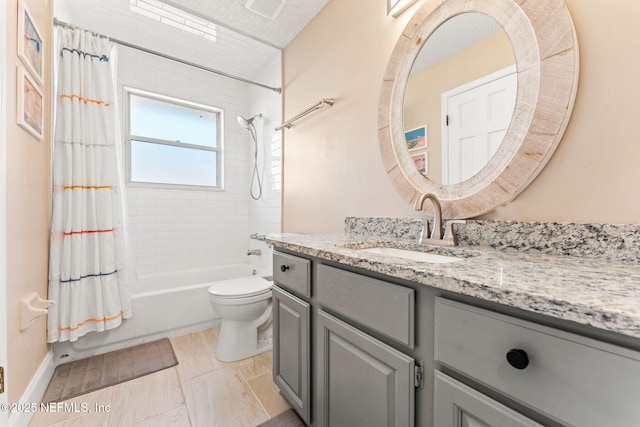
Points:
(276, 162)
(172, 142)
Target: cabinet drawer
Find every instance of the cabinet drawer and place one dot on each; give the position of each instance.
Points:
(456, 404)
(381, 306)
(293, 273)
(571, 378)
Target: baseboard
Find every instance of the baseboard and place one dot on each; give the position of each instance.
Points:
(35, 390)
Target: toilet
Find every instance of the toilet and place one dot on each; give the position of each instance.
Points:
(244, 304)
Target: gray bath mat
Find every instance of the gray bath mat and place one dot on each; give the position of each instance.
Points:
(86, 375)
(286, 419)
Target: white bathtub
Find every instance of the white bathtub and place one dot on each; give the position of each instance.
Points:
(168, 304)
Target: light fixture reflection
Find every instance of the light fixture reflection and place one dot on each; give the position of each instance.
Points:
(396, 7)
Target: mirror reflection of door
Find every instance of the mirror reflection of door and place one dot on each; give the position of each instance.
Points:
(475, 116)
(463, 49)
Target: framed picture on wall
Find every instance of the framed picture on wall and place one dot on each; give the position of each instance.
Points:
(30, 43)
(420, 161)
(416, 138)
(30, 103)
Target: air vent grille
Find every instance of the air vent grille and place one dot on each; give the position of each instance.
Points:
(268, 8)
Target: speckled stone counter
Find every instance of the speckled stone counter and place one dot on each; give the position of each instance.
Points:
(615, 242)
(599, 292)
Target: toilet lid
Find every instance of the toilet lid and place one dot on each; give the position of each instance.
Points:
(240, 287)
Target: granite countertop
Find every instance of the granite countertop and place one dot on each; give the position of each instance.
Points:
(598, 293)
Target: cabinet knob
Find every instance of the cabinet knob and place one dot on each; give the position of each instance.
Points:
(284, 267)
(518, 358)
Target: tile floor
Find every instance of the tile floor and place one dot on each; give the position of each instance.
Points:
(199, 391)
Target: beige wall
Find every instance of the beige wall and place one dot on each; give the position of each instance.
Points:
(28, 189)
(332, 165)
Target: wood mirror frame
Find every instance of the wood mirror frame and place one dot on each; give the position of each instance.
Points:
(546, 52)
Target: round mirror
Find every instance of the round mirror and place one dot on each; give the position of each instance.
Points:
(459, 98)
(542, 39)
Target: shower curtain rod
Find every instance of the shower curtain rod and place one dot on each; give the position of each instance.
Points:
(60, 23)
(322, 103)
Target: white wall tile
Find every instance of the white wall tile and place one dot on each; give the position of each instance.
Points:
(182, 229)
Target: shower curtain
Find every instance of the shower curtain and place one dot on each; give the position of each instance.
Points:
(87, 277)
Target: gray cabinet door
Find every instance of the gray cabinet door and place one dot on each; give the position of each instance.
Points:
(362, 381)
(291, 350)
(458, 405)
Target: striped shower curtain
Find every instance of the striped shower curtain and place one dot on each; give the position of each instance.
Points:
(86, 270)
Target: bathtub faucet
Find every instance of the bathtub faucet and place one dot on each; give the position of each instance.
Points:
(254, 252)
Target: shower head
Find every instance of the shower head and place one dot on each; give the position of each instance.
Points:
(245, 123)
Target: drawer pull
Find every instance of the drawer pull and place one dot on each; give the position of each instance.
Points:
(284, 267)
(518, 358)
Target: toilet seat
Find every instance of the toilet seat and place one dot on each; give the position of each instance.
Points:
(240, 288)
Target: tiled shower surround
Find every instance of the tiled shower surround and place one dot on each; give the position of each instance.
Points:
(184, 229)
(171, 229)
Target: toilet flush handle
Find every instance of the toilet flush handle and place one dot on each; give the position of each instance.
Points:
(284, 267)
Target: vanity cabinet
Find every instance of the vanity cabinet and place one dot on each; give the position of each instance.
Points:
(362, 382)
(356, 348)
(567, 377)
(358, 380)
(292, 331)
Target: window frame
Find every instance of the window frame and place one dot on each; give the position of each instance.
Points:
(128, 137)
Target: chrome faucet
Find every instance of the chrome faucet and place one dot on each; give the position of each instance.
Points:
(436, 233)
(254, 252)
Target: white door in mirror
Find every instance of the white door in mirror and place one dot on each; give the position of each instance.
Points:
(479, 114)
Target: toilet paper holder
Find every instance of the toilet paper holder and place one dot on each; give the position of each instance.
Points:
(32, 306)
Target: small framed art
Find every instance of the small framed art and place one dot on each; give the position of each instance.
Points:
(420, 161)
(30, 104)
(30, 43)
(416, 138)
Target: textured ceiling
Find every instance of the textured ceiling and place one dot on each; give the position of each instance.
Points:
(453, 36)
(233, 13)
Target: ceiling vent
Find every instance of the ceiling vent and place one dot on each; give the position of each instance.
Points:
(268, 8)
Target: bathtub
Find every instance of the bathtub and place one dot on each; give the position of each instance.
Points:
(166, 305)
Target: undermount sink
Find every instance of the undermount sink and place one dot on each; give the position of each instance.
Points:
(412, 255)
